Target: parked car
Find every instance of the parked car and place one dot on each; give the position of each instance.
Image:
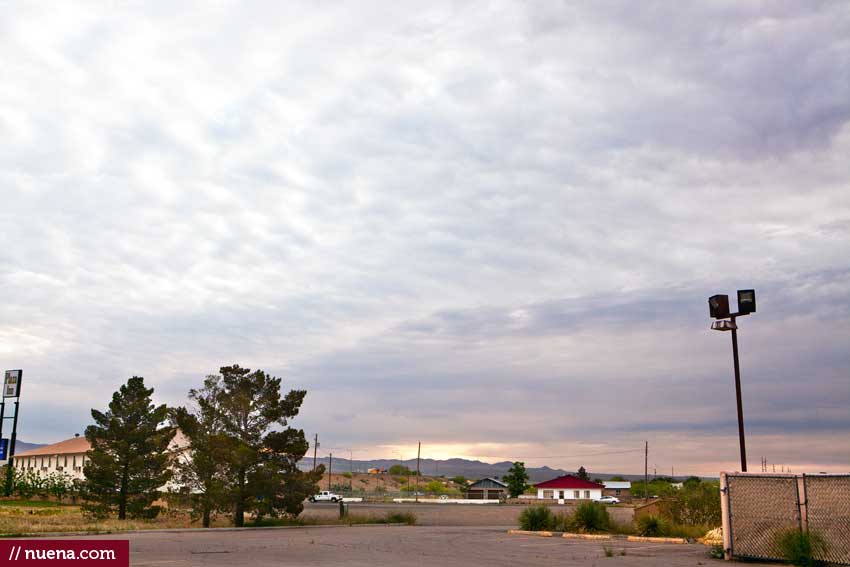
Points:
(325, 496)
(608, 500)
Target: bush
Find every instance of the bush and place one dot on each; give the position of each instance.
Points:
(537, 518)
(652, 526)
(408, 518)
(799, 548)
(591, 517)
(696, 503)
(346, 474)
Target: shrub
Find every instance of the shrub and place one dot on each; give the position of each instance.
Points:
(408, 518)
(591, 517)
(346, 474)
(799, 548)
(652, 526)
(696, 503)
(537, 518)
(609, 551)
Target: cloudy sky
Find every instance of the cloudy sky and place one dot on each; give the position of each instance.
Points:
(488, 226)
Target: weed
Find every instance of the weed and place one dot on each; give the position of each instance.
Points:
(609, 551)
(716, 552)
(537, 518)
(591, 517)
(652, 526)
(799, 548)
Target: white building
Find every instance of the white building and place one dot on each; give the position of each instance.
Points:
(69, 456)
(568, 487)
(66, 457)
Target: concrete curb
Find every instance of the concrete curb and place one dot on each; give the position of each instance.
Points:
(600, 537)
(588, 536)
(657, 539)
(531, 533)
(190, 530)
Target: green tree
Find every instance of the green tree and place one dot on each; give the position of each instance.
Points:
(516, 479)
(200, 469)
(400, 470)
(129, 461)
(260, 463)
(582, 474)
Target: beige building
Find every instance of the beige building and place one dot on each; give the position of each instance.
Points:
(66, 457)
(69, 456)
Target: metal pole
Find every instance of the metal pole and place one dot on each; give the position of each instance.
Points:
(646, 472)
(10, 464)
(2, 417)
(330, 470)
(738, 396)
(418, 451)
(315, 448)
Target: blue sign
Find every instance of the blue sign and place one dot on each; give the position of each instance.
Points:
(4, 448)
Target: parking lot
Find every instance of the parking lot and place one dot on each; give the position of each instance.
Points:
(505, 515)
(376, 546)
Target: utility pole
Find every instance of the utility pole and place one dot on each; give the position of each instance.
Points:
(418, 451)
(315, 448)
(350, 472)
(330, 470)
(646, 472)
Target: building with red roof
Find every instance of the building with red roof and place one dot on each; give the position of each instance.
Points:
(568, 487)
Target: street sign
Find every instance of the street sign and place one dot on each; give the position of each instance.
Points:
(12, 383)
(4, 449)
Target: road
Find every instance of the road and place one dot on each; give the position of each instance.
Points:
(390, 546)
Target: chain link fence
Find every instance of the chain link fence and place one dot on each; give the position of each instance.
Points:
(757, 509)
(827, 501)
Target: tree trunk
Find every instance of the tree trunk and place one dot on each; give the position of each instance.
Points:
(206, 519)
(122, 496)
(239, 508)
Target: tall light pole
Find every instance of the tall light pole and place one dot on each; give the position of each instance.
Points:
(718, 307)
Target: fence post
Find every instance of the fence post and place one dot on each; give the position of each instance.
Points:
(726, 523)
(803, 503)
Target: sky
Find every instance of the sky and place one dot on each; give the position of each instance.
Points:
(491, 227)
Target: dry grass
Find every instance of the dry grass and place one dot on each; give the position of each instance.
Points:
(21, 519)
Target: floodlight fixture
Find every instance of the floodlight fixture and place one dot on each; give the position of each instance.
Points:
(718, 306)
(746, 301)
(724, 325)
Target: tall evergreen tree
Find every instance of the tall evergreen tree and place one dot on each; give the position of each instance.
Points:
(516, 479)
(260, 463)
(128, 462)
(582, 474)
(200, 468)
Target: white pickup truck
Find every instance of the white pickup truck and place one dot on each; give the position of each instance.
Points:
(325, 496)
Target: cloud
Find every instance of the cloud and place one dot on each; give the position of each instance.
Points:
(468, 223)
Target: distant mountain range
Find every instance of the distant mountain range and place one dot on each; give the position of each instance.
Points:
(21, 446)
(454, 467)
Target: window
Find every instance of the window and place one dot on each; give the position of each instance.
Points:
(587, 494)
(576, 494)
(548, 494)
(617, 492)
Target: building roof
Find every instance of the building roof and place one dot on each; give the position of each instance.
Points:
(568, 481)
(617, 484)
(488, 480)
(68, 446)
